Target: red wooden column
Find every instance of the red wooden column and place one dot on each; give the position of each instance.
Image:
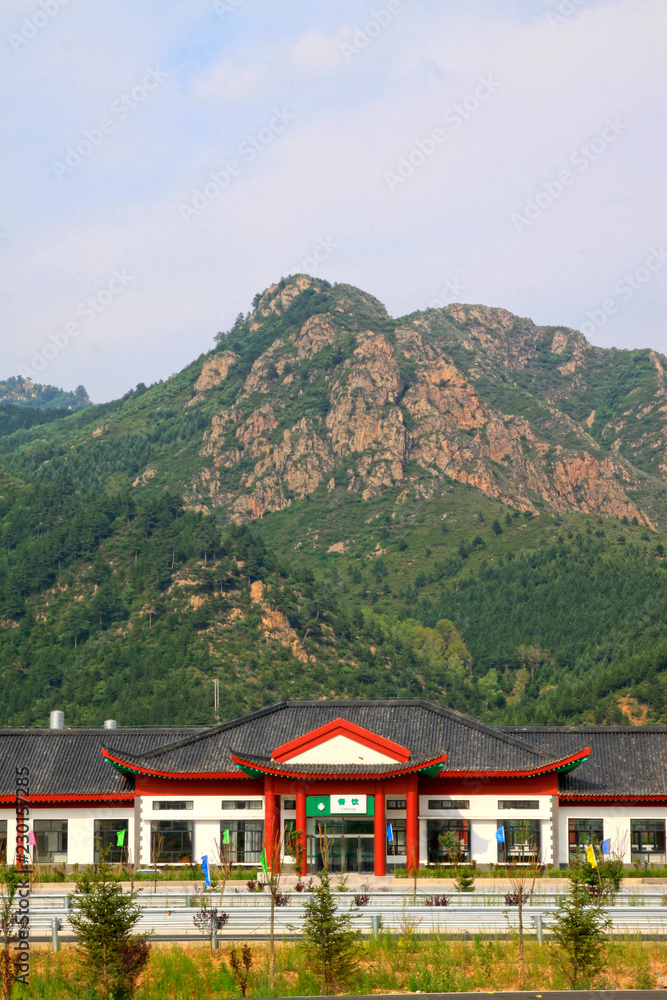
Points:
(412, 822)
(380, 831)
(301, 825)
(271, 838)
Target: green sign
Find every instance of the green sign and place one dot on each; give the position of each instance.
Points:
(340, 805)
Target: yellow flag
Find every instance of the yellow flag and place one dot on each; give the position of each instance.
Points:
(590, 856)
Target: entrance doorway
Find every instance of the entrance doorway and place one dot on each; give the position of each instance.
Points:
(348, 842)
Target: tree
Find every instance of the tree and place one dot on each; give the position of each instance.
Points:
(331, 943)
(103, 916)
(579, 928)
(464, 876)
(10, 926)
(520, 877)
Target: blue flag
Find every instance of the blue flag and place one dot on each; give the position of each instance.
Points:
(605, 846)
(390, 834)
(500, 834)
(207, 875)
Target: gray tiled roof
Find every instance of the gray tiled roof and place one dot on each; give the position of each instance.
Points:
(624, 760)
(416, 760)
(70, 761)
(420, 726)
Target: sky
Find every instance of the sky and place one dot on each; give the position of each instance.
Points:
(164, 160)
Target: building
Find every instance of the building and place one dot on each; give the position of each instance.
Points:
(372, 783)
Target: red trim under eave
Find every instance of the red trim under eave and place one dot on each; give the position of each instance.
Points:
(575, 800)
(36, 800)
(340, 727)
(533, 772)
(318, 776)
(208, 775)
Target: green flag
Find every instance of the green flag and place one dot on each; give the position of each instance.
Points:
(225, 836)
(120, 838)
(262, 861)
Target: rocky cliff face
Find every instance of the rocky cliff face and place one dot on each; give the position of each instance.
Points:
(344, 398)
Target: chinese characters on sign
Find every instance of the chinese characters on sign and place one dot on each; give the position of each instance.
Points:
(348, 804)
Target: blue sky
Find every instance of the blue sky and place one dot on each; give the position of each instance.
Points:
(166, 159)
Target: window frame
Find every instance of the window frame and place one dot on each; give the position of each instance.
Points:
(580, 844)
(173, 805)
(658, 848)
(242, 805)
(186, 827)
(442, 804)
(58, 857)
(459, 825)
(521, 857)
(116, 854)
(238, 827)
(505, 804)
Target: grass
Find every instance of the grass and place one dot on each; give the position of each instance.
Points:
(404, 962)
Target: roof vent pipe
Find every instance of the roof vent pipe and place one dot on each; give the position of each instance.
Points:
(57, 720)
(110, 724)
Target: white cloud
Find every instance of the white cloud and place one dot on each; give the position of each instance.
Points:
(229, 81)
(318, 52)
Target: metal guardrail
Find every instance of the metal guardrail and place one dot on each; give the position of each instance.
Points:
(177, 923)
(244, 898)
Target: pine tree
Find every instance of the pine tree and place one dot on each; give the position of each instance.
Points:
(579, 928)
(103, 917)
(330, 941)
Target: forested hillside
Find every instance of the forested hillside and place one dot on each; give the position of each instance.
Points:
(456, 505)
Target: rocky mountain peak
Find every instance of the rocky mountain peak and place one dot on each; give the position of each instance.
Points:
(343, 397)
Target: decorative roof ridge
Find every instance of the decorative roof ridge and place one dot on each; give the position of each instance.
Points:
(213, 731)
(585, 729)
(97, 731)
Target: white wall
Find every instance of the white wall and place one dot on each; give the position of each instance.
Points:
(80, 828)
(616, 823)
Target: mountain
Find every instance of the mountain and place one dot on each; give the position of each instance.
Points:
(456, 504)
(24, 404)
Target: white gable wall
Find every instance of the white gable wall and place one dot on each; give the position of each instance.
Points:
(341, 750)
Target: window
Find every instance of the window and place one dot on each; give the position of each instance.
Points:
(289, 837)
(436, 828)
(397, 846)
(171, 841)
(51, 837)
(289, 804)
(648, 840)
(395, 804)
(582, 832)
(3, 841)
(518, 804)
(107, 840)
(522, 840)
(246, 838)
(244, 804)
(449, 804)
(173, 804)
